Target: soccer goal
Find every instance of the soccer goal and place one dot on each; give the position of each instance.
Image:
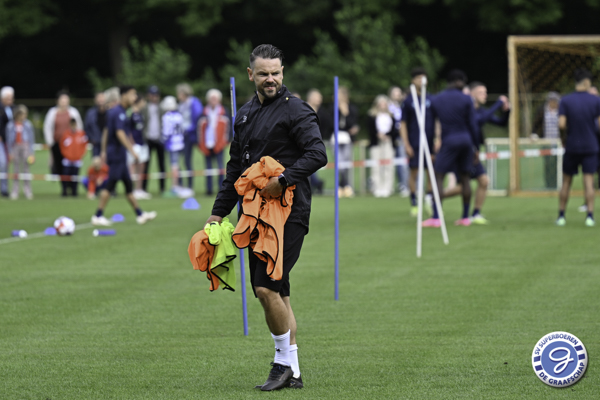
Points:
(538, 65)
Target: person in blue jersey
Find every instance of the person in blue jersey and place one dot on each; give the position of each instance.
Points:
(115, 145)
(456, 114)
(482, 116)
(409, 131)
(578, 115)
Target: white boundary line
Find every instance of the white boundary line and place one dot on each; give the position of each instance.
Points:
(40, 234)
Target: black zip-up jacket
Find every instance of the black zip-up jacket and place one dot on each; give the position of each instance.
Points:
(285, 128)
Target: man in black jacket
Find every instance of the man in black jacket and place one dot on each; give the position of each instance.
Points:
(7, 96)
(276, 124)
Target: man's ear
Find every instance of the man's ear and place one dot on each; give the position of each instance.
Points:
(250, 74)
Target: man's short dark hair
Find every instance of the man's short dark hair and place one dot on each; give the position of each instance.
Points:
(266, 51)
(456, 75)
(475, 84)
(581, 74)
(124, 89)
(417, 71)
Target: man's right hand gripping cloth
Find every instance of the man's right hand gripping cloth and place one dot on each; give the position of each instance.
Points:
(262, 221)
(211, 250)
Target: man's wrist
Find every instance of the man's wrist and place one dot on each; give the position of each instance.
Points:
(282, 181)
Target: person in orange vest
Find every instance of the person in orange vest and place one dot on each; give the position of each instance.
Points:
(97, 177)
(214, 131)
(73, 146)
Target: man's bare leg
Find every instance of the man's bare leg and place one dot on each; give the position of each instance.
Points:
(588, 185)
(564, 192)
(292, 319)
(276, 312)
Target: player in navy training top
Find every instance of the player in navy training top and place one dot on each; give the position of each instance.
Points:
(456, 114)
(409, 130)
(482, 116)
(115, 145)
(578, 113)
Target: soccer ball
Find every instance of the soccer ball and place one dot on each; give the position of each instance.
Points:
(64, 226)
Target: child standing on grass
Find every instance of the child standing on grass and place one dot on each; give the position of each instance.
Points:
(172, 135)
(73, 146)
(97, 177)
(20, 138)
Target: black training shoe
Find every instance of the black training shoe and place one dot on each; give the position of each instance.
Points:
(296, 383)
(279, 378)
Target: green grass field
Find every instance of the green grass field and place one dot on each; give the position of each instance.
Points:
(126, 317)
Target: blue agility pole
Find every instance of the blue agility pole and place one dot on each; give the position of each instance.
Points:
(242, 263)
(336, 128)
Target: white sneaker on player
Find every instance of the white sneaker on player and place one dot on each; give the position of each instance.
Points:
(145, 217)
(100, 221)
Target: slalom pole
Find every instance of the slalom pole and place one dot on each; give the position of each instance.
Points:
(436, 190)
(336, 128)
(420, 180)
(242, 260)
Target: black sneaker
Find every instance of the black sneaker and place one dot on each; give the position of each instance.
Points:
(296, 383)
(279, 378)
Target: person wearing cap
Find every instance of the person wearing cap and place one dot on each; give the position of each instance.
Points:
(152, 132)
(190, 108)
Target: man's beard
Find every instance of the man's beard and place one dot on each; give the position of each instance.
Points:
(264, 93)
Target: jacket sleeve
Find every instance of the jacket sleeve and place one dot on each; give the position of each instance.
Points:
(10, 136)
(372, 128)
(75, 114)
(49, 126)
(473, 127)
(227, 196)
(305, 132)
(196, 114)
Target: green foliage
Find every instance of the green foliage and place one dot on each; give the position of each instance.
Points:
(375, 59)
(25, 17)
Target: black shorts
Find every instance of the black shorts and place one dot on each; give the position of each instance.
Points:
(572, 161)
(118, 171)
(293, 237)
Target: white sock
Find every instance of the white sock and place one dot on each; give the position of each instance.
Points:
(282, 349)
(294, 360)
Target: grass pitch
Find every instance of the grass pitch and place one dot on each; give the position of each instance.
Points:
(126, 317)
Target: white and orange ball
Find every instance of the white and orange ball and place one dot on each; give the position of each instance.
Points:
(64, 226)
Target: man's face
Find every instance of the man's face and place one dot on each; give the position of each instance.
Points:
(418, 81)
(129, 97)
(213, 101)
(553, 104)
(315, 99)
(153, 98)
(479, 94)
(100, 100)
(267, 75)
(8, 99)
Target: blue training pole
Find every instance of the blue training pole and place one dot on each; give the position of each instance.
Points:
(242, 262)
(336, 128)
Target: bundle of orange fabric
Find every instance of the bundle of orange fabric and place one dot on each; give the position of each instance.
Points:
(262, 221)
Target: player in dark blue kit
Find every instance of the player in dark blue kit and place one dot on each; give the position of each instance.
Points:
(115, 145)
(456, 114)
(482, 116)
(578, 113)
(409, 130)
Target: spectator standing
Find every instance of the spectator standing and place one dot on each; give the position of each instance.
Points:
(139, 147)
(381, 125)
(153, 131)
(395, 98)
(190, 109)
(20, 138)
(214, 129)
(348, 129)
(314, 98)
(73, 145)
(57, 121)
(7, 98)
(173, 138)
(95, 121)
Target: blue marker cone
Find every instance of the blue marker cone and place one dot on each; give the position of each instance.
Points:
(19, 233)
(190, 204)
(104, 232)
(118, 218)
(50, 231)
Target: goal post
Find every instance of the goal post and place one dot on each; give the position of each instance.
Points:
(538, 65)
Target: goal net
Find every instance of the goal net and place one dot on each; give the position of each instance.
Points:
(540, 71)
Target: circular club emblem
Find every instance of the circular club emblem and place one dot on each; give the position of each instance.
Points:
(559, 359)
